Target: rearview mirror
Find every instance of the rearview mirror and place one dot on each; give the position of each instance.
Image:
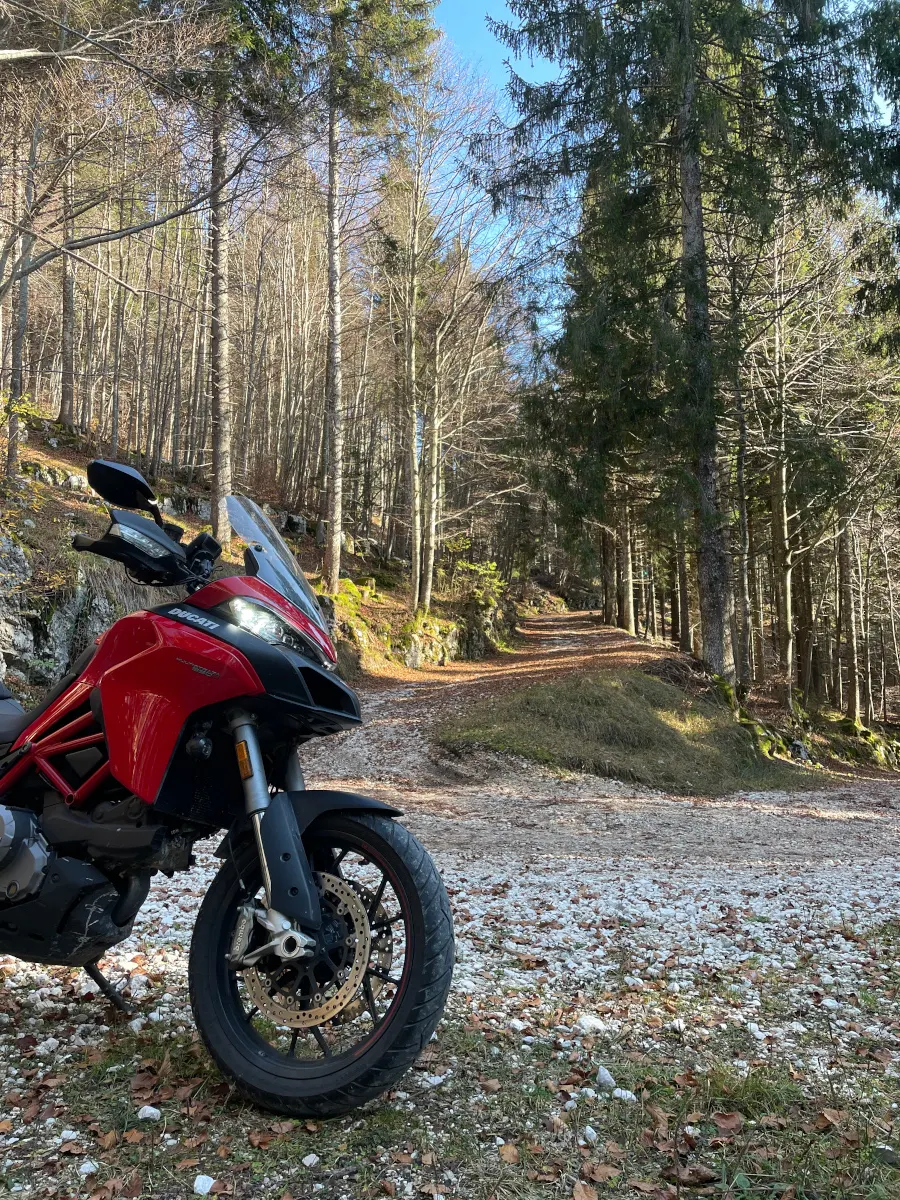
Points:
(122, 486)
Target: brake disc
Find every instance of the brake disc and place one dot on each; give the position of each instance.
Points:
(381, 955)
(307, 992)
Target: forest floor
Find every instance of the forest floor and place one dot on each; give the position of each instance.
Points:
(731, 967)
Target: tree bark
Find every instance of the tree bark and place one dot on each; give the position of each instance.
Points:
(625, 569)
(334, 391)
(848, 609)
(67, 332)
(220, 362)
(20, 312)
(712, 568)
(744, 668)
(431, 523)
(685, 633)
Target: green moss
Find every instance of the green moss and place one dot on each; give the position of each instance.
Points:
(632, 726)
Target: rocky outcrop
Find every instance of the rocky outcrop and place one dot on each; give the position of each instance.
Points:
(483, 625)
(42, 632)
(429, 640)
(61, 477)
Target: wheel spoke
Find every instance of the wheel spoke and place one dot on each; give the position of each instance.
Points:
(293, 1049)
(386, 922)
(370, 1001)
(336, 861)
(320, 1041)
(379, 974)
(251, 1014)
(376, 899)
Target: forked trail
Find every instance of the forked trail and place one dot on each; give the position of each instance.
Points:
(484, 804)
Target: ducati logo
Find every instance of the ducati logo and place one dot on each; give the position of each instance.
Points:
(194, 618)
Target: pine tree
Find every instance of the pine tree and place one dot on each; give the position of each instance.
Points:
(666, 118)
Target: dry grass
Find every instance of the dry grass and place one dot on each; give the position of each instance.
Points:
(627, 725)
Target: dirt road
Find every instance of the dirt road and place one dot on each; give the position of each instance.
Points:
(485, 804)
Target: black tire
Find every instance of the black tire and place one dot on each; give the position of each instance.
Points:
(298, 1088)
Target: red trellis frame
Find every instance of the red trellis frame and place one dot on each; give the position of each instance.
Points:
(60, 742)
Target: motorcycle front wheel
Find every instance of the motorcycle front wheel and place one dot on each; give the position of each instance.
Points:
(323, 1035)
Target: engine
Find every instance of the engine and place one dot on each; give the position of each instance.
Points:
(55, 908)
(24, 855)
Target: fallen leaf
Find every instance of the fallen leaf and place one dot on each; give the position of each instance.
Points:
(108, 1140)
(280, 1127)
(509, 1153)
(259, 1140)
(6, 1126)
(187, 1162)
(693, 1175)
(133, 1136)
(641, 1185)
(660, 1119)
(583, 1191)
(401, 1157)
(829, 1117)
(490, 1085)
(133, 1187)
(389, 1187)
(70, 1148)
(600, 1172)
(728, 1122)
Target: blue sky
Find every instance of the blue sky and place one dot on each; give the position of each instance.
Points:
(464, 23)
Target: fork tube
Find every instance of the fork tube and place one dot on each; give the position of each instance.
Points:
(256, 787)
(293, 774)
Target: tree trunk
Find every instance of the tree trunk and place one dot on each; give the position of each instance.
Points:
(20, 314)
(674, 601)
(431, 524)
(335, 376)
(712, 568)
(608, 560)
(744, 669)
(685, 633)
(220, 374)
(625, 570)
(67, 332)
(848, 608)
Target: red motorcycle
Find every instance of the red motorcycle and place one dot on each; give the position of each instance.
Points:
(322, 953)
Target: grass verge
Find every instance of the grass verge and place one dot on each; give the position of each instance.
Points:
(485, 1117)
(625, 725)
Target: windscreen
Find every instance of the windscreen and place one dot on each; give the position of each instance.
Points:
(272, 560)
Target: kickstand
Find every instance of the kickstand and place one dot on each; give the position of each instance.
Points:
(112, 993)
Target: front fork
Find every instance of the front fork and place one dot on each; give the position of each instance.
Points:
(292, 899)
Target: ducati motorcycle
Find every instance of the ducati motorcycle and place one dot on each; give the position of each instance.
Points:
(322, 952)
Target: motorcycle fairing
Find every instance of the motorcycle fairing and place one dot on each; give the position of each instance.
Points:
(300, 687)
(222, 590)
(152, 673)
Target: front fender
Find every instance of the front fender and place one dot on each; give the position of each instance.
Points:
(308, 806)
(313, 803)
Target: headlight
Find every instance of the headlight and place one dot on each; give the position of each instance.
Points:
(265, 624)
(136, 538)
